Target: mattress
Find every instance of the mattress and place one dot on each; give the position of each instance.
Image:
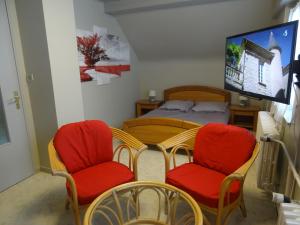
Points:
(197, 117)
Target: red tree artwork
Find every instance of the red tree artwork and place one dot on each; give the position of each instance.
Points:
(89, 47)
(102, 56)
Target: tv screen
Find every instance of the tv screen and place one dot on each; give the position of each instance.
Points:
(259, 63)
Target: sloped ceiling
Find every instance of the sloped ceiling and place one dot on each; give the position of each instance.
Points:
(190, 31)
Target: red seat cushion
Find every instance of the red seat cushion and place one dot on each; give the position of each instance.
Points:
(223, 148)
(201, 183)
(84, 144)
(95, 180)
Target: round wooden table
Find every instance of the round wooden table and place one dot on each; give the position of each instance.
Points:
(144, 202)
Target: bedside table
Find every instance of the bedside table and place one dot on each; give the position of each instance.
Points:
(244, 116)
(144, 106)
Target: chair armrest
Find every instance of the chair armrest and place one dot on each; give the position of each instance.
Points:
(163, 151)
(130, 143)
(245, 167)
(176, 142)
(128, 139)
(55, 162)
(238, 175)
(174, 150)
(59, 169)
(225, 188)
(166, 158)
(179, 138)
(119, 150)
(172, 155)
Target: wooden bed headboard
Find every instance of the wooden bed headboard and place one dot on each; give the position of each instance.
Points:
(197, 93)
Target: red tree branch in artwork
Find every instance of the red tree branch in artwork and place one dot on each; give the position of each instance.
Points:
(89, 47)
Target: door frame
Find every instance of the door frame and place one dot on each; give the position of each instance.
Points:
(24, 90)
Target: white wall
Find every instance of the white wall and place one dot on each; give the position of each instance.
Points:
(165, 74)
(185, 45)
(192, 31)
(47, 30)
(63, 56)
(112, 102)
(34, 43)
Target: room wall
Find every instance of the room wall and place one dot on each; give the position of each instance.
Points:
(197, 31)
(113, 102)
(34, 43)
(47, 29)
(182, 46)
(62, 49)
(159, 75)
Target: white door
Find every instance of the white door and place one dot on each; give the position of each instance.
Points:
(15, 155)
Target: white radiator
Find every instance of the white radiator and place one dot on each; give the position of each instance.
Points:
(268, 156)
(289, 214)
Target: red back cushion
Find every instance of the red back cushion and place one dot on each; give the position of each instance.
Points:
(223, 148)
(84, 144)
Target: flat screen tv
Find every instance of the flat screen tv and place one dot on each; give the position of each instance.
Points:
(259, 63)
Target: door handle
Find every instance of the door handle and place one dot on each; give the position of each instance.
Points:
(16, 99)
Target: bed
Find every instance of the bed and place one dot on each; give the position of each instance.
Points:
(156, 126)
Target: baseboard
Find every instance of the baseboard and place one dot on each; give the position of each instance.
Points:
(45, 169)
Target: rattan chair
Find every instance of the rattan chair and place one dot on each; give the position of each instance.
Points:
(83, 153)
(228, 185)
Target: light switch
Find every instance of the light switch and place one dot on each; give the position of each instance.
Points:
(30, 77)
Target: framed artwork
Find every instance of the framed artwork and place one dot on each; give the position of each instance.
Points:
(102, 56)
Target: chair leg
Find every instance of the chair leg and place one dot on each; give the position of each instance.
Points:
(219, 219)
(243, 207)
(205, 220)
(76, 213)
(226, 219)
(223, 217)
(67, 204)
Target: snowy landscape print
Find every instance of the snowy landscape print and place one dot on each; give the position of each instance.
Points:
(102, 56)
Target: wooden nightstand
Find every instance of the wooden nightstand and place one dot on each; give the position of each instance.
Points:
(144, 106)
(244, 116)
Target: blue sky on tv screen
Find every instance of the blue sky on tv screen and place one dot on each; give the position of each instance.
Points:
(283, 35)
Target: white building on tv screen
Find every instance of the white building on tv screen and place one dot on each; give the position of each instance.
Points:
(260, 70)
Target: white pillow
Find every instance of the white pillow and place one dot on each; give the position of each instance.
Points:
(181, 105)
(210, 107)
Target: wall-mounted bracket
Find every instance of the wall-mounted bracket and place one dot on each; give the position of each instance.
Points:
(296, 70)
